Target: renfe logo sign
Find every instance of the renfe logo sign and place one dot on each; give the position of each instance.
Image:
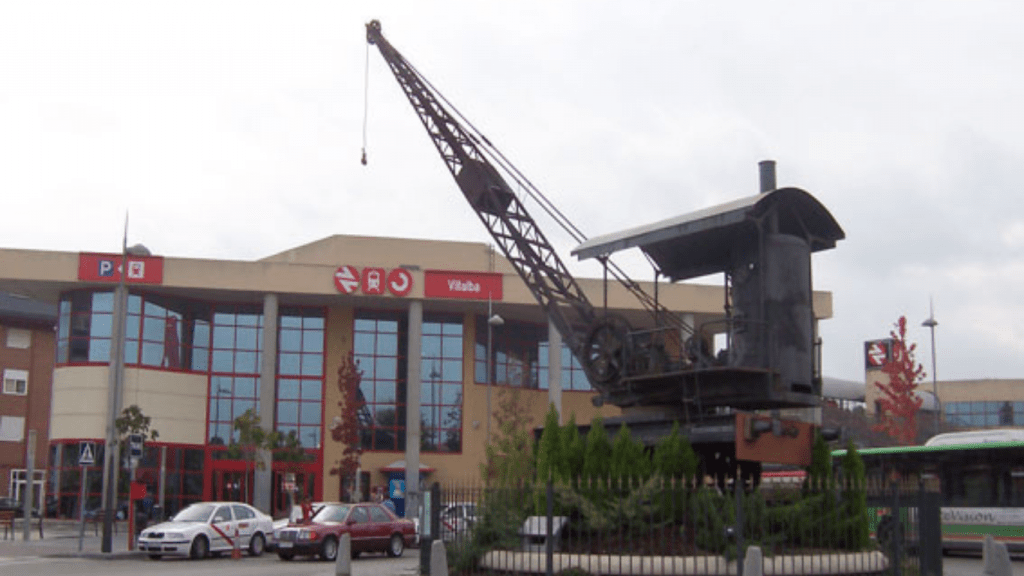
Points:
(877, 353)
(372, 281)
(107, 268)
(462, 285)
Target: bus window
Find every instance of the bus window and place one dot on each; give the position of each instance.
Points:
(1017, 486)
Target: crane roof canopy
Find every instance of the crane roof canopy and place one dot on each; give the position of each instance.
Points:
(701, 242)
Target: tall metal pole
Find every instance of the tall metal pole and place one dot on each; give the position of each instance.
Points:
(931, 323)
(490, 335)
(111, 460)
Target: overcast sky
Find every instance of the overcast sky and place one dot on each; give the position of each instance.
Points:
(233, 130)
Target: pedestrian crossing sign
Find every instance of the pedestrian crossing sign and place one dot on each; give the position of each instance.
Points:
(86, 453)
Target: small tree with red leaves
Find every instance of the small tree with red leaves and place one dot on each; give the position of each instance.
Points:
(898, 405)
(345, 428)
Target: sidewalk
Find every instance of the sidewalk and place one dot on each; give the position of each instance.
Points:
(60, 539)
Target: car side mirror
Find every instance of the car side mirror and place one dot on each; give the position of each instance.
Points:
(350, 522)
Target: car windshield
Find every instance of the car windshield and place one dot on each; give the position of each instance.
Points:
(331, 513)
(195, 513)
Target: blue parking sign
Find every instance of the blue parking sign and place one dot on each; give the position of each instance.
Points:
(396, 488)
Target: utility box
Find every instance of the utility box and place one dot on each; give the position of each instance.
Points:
(535, 533)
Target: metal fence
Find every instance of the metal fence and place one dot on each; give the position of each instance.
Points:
(662, 526)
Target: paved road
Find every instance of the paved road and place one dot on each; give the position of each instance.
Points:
(58, 553)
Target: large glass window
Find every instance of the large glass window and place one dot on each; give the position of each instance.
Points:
(170, 333)
(984, 414)
(300, 373)
(235, 367)
(573, 376)
(520, 357)
(441, 392)
(379, 338)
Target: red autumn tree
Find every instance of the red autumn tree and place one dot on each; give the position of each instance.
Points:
(898, 405)
(345, 427)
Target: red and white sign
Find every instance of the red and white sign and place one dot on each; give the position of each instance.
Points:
(107, 268)
(400, 282)
(373, 281)
(877, 353)
(346, 279)
(462, 285)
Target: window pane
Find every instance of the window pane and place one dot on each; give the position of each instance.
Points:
(387, 345)
(312, 365)
(313, 341)
(246, 338)
(287, 411)
(291, 340)
(310, 413)
(223, 337)
(288, 364)
(311, 390)
(288, 389)
(245, 362)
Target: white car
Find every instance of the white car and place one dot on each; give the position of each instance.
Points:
(457, 520)
(209, 527)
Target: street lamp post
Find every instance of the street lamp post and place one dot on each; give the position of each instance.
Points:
(930, 324)
(115, 397)
(492, 321)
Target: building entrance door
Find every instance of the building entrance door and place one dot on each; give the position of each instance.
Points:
(291, 487)
(232, 484)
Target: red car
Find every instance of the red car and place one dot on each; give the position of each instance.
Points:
(372, 528)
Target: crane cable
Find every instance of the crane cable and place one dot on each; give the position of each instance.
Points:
(366, 99)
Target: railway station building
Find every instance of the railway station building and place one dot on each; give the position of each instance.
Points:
(207, 340)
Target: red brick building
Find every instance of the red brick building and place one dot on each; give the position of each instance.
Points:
(26, 361)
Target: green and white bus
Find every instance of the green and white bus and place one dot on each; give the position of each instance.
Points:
(980, 475)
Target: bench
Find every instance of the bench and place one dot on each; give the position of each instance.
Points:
(7, 519)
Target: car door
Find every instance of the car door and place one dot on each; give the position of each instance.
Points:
(381, 527)
(245, 522)
(223, 527)
(360, 529)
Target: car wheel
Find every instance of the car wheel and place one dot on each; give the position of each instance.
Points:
(329, 549)
(285, 555)
(155, 556)
(396, 546)
(257, 545)
(200, 548)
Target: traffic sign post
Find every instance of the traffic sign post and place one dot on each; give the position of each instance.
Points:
(86, 458)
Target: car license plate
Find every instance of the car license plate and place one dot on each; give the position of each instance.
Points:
(284, 544)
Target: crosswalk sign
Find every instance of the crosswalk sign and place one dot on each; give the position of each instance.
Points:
(86, 453)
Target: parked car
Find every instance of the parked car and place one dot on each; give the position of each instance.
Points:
(371, 527)
(457, 519)
(8, 504)
(294, 518)
(209, 527)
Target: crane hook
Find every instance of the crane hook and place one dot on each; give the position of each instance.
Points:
(364, 157)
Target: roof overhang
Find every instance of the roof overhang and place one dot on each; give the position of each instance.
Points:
(700, 242)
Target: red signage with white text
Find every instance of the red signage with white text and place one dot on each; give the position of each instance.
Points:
(107, 268)
(462, 285)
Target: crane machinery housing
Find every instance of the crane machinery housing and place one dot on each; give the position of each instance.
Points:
(762, 244)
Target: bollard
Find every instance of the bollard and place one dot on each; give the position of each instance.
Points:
(236, 550)
(753, 564)
(438, 559)
(343, 563)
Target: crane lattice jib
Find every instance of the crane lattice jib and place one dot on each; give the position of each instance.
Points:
(505, 217)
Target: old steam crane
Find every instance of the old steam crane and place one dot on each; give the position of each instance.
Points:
(665, 372)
